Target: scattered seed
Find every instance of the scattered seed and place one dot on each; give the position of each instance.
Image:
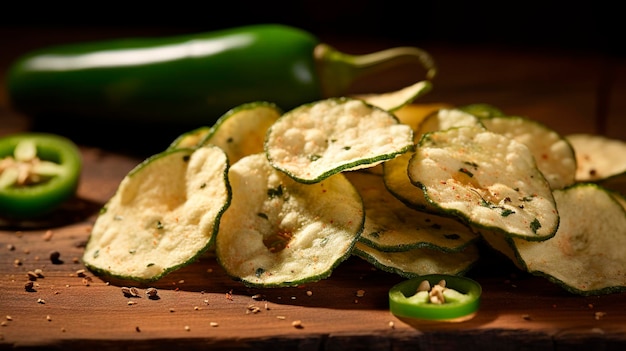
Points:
(152, 293)
(257, 297)
(76, 260)
(47, 235)
(32, 276)
(41, 301)
(29, 286)
(48, 318)
(309, 293)
(281, 317)
(132, 291)
(3, 324)
(172, 310)
(297, 324)
(80, 273)
(39, 272)
(253, 309)
(17, 262)
(130, 303)
(196, 308)
(526, 317)
(213, 324)
(360, 293)
(599, 315)
(9, 318)
(392, 325)
(187, 328)
(11, 247)
(55, 257)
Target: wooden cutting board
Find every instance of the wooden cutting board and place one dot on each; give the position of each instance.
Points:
(199, 307)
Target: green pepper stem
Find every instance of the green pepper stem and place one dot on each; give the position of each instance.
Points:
(338, 70)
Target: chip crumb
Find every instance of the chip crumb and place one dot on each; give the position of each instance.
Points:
(9, 318)
(152, 293)
(81, 273)
(11, 247)
(131, 302)
(196, 308)
(172, 310)
(281, 317)
(599, 315)
(360, 293)
(3, 324)
(41, 301)
(297, 324)
(213, 324)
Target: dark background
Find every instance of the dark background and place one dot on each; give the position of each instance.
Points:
(588, 25)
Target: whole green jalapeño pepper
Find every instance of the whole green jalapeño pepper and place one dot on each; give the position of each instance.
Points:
(38, 172)
(190, 80)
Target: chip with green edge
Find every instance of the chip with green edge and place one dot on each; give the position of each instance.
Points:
(390, 225)
(320, 139)
(395, 100)
(482, 110)
(486, 179)
(395, 171)
(163, 216)
(278, 232)
(241, 131)
(420, 261)
(586, 256)
(191, 139)
(599, 157)
(553, 153)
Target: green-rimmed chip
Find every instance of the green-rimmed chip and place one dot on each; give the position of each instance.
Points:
(422, 261)
(553, 154)
(392, 226)
(395, 171)
(487, 179)
(241, 131)
(279, 232)
(191, 139)
(599, 158)
(586, 256)
(395, 100)
(317, 140)
(164, 214)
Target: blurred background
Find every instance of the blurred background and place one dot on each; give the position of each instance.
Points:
(560, 62)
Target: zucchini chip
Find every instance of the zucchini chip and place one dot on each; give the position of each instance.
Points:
(191, 139)
(395, 171)
(392, 226)
(421, 261)
(599, 158)
(320, 139)
(164, 215)
(553, 153)
(486, 179)
(586, 256)
(395, 100)
(241, 131)
(279, 232)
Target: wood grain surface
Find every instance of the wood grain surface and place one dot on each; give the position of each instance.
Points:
(199, 307)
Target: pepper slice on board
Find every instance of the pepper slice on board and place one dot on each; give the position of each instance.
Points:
(461, 303)
(38, 172)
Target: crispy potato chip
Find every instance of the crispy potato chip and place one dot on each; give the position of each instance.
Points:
(487, 179)
(317, 140)
(164, 214)
(586, 256)
(553, 153)
(392, 226)
(279, 232)
(422, 261)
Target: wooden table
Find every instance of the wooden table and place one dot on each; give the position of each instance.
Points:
(199, 307)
